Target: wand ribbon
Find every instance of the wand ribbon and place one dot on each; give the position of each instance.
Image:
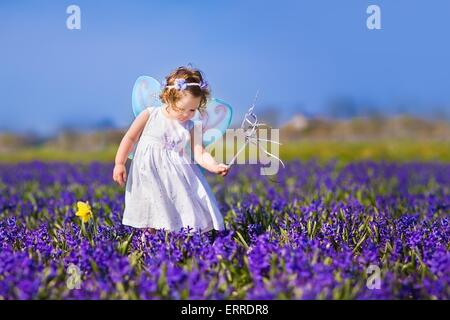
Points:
(249, 125)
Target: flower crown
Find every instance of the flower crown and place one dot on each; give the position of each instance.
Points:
(181, 84)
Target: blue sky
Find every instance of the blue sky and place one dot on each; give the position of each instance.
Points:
(300, 55)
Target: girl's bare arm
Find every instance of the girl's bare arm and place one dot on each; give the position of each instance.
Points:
(131, 137)
(204, 158)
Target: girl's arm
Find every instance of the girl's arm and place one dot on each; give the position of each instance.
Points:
(204, 158)
(131, 137)
(126, 145)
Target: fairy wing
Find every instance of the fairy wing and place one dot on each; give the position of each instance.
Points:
(145, 93)
(215, 120)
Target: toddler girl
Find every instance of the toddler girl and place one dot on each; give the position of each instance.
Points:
(165, 189)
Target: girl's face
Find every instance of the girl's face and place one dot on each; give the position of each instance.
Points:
(185, 108)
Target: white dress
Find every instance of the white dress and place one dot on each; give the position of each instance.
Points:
(164, 188)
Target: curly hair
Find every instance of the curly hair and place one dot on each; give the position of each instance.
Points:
(172, 95)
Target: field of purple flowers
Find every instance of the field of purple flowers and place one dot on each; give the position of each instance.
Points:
(365, 230)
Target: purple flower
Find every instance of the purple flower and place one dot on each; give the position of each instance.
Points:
(180, 84)
(310, 234)
(203, 84)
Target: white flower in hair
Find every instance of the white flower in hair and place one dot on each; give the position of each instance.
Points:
(180, 84)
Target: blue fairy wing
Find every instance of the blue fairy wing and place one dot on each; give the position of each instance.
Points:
(215, 120)
(145, 93)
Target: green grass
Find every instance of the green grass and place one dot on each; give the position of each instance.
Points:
(48, 154)
(388, 150)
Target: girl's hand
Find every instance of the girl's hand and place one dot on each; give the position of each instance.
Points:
(220, 169)
(120, 174)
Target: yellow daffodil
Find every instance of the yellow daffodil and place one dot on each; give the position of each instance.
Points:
(84, 211)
